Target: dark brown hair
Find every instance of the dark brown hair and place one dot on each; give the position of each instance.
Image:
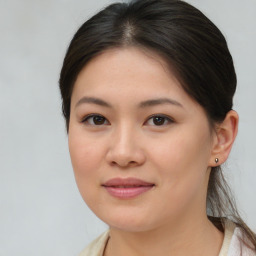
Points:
(194, 48)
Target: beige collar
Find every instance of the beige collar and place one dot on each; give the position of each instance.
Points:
(228, 233)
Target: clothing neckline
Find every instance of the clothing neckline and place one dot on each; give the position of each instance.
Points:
(229, 228)
(98, 246)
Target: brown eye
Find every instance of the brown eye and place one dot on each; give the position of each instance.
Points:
(159, 120)
(99, 120)
(95, 120)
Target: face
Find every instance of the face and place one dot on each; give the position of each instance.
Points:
(140, 146)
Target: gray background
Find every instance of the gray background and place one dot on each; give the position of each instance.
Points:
(41, 211)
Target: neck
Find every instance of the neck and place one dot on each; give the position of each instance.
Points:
(189, 238)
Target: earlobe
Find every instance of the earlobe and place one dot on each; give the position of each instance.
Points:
(225, 135)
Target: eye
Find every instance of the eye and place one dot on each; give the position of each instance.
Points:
(95, 119)
(159, 120)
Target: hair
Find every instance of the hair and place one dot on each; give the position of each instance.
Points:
(192, 46)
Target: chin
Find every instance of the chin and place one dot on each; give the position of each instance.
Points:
(128, 222)
(130, 227)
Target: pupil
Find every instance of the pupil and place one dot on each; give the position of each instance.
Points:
(98, 120)
(158, 120)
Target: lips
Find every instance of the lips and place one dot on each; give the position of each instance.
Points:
(127, 188)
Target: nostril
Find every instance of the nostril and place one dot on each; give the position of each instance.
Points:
(124, 163)
(125, 156)
(113, 163)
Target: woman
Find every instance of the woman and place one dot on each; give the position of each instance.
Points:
(147, 92)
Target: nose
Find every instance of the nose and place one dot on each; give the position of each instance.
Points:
(125, 149)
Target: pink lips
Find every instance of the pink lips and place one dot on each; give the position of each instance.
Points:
(127, 188)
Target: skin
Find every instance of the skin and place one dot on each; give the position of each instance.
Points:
(176, 156)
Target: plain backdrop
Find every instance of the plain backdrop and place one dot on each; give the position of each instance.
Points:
(41, 211)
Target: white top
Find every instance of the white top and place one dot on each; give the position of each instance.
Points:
(232, 244)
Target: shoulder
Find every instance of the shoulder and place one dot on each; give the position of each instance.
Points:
(235, 242)
(96, 247)
(239, 245)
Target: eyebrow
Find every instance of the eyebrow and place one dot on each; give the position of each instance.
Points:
(160, 101)
(93, 100)
(143, 104)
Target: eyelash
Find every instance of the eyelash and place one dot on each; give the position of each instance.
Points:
(92, 117)
(167, 120)
(164, 120)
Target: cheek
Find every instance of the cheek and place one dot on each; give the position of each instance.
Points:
(82, 155)
(182, 161)
(85, 149)
(86, 159)
(186, 147)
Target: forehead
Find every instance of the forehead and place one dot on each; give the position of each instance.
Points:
(127, 78)
(122, 67)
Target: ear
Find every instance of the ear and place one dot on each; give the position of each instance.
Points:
(224, 137)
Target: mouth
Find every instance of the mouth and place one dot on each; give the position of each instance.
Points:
(127, 188)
